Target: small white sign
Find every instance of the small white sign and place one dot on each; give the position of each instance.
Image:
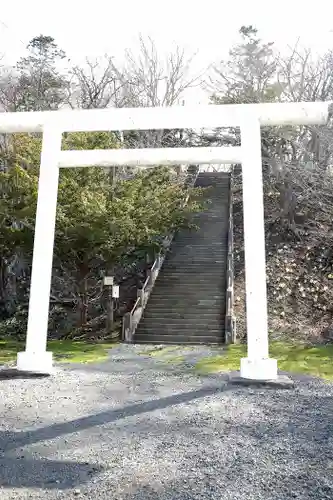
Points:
(108, 280)
(115, 291)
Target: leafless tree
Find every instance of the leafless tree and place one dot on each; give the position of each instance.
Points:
(304, 77)
(9, 89)
(147, 79)
(95, 85)
(151, 80)
(141, 78)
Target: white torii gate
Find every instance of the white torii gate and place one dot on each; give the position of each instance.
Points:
(249, 117)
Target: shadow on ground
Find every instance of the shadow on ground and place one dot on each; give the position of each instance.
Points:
(13, 440)
(286, 454)
(24, 472)
(217, 441)
(13, 373)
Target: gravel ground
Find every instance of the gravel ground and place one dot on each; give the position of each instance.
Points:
(135, 428)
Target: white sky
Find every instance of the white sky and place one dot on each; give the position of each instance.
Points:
(109, 26)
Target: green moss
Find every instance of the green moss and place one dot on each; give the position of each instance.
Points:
(65, 351)
(8, 350)
(298, 358)
(294, 358)
(228, 360)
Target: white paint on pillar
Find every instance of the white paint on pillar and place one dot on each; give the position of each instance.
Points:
(257, 365)
(35, 358)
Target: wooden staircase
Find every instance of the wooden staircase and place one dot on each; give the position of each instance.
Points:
(188, 302)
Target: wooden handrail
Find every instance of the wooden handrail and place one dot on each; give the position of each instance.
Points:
(230, 322)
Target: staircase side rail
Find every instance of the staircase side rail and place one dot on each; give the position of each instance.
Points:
(230, 320)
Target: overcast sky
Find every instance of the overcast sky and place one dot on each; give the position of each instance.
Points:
(109, 26)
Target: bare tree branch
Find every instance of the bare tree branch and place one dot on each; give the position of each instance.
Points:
(96, 85)
(149, 80)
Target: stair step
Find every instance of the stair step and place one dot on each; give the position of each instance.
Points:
(187, 324)
(186, 265)
(188, 297)
(171, 316)
(163, 310)
(215, 281)
(214, 224)
(214, 284)
(190, 292)
(198, 252)
(215, 289)
(210, 217)
(198, 249)
(192, 271)
(193, 257)
(180, 320)
(216, 207)
(189, 281)
(189, 267)
(197, 257)
(200, 240)
(192, 266)
(186, 303)
(201, 272)
(191, 330)
(218, 270)
(177, 339)
(213, 185)
(187, 294)
(218, 274)
(219, 190)
(201, 243)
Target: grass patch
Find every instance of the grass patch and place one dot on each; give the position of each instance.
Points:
(66, 351)
(8, 350)
(294, 358)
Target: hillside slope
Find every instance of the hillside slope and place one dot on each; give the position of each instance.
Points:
(299, 262)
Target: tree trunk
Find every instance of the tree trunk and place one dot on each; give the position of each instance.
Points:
(83, 295)
(3, 269)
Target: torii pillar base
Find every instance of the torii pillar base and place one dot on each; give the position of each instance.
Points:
(260, 372)
(35, 362)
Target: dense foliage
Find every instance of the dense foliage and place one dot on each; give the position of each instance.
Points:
(107, 221)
